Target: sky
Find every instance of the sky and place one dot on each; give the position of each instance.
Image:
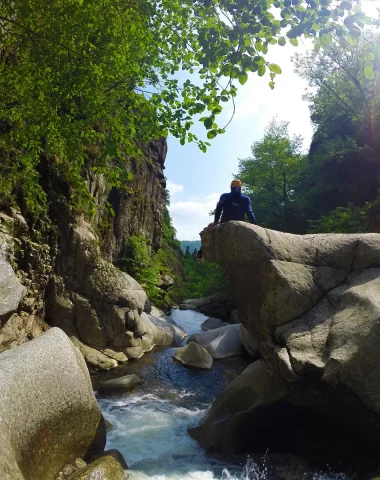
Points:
(196, 180)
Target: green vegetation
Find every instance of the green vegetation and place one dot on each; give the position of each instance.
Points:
(332, 188)
(204, 279)
(348, 219)
(271, 176)
(84, 85)
(160, 273)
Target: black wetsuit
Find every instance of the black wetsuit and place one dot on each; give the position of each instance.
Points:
(235, 206)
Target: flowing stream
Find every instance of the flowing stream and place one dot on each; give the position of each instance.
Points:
(150, 424)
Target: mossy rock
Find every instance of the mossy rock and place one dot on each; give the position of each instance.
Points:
(104, 468)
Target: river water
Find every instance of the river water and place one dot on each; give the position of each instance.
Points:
(150, 424)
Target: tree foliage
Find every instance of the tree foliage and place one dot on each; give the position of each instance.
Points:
(333, 187)
(349, 219)
(271, 177)
(343, 160)
(85, 82)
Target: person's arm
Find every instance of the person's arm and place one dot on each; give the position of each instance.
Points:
(250, 213)
(218, 210)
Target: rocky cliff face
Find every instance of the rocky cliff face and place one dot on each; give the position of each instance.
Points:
(312, 303)
(66, 265)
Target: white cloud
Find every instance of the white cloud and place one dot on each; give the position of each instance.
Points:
(174, 187)
(191, 216)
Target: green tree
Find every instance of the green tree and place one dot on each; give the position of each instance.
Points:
(349, 219)
(271, 176)
(85, 84)
(343, 165)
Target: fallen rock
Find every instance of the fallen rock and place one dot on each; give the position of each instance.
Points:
(212, 323)
(312, 304)
(104, 468)
(126, 383)
(193, 355)
(48, 413)
(221, 342)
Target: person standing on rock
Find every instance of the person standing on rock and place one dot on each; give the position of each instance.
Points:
(232, 206)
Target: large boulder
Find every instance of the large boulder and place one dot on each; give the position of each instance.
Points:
(48, 413)
(193, 355)
(223, 341)
(312, 304)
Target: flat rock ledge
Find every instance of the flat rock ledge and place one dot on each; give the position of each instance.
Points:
(312, 304)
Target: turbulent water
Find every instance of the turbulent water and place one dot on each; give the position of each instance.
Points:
(150, 425)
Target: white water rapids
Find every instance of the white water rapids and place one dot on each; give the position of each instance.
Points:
(150, 425)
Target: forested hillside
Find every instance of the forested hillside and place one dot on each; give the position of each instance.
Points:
(192, 244)
(330, 188)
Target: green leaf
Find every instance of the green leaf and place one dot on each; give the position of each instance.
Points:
(293, 41)
(243, 77)
(208, 123)
(271, 85)
(275, 68)
(369, 73)
(211, 134)
(282, 41)
(262, 70)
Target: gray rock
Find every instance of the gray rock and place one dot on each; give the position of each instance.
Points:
(255, 386)
(312, 304)
(11, 291)
(49, 415)
(212, 323)
(126, 383)
(106, 467)
(221, 342)
(193, 355)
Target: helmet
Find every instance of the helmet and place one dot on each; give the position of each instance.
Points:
(236, 183)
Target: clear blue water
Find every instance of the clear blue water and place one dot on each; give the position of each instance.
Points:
(150, 424)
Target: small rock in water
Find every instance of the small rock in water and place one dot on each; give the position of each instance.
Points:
(104, 468)
(212, 323)
(193, 355)
(128, 382)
